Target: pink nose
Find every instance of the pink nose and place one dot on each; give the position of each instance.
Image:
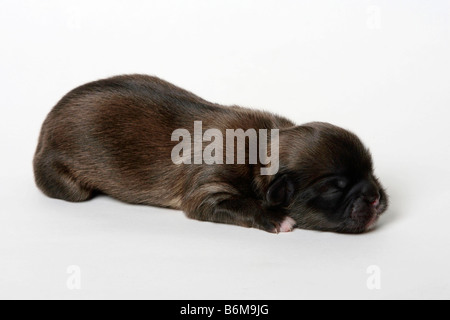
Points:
(375, 203)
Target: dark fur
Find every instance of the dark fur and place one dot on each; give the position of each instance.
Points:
(114, 136)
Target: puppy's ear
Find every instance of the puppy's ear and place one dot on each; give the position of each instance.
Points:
(280, 191)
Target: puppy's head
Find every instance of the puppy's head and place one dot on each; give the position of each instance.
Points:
(326, 180)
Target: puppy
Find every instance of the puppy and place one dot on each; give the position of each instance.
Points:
(116, 137)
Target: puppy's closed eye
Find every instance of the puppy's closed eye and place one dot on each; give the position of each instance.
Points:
(332, 185)
(331, 190)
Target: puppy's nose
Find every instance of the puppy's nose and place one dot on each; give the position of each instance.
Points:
(370, 193)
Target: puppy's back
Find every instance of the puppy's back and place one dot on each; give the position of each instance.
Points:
(114, 136)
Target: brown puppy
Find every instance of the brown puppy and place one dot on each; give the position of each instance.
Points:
(115, 136)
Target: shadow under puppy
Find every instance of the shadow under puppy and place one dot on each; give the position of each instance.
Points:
(114, 136)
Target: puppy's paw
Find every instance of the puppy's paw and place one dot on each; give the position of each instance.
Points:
(272, 225)
(287, 225)
(266, 224)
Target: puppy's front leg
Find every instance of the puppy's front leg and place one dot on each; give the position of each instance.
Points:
(238, 210)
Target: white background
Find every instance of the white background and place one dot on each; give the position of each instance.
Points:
(378, 68)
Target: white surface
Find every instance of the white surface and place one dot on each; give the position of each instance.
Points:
(379, 68)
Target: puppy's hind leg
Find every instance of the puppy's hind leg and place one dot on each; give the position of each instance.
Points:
(56, 180)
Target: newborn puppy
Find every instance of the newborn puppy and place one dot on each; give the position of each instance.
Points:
(116, 137)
